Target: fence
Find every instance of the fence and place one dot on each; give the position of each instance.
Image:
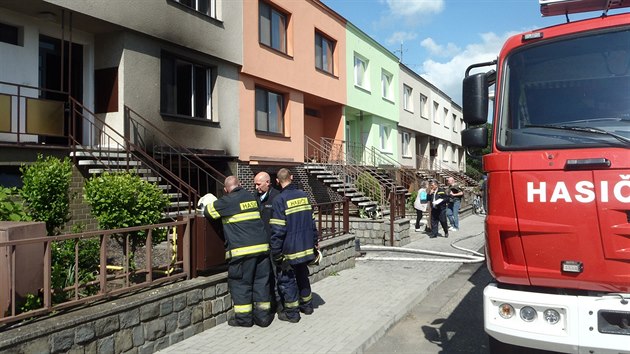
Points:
(87, 281)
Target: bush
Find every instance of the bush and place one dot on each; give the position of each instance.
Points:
(46, 186)
(125, 200)
(369, 186)
(11, 209)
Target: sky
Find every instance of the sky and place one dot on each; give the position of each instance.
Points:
(440, 38)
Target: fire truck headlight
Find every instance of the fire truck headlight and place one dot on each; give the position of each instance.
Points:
(551, 316)
(528, 314)
(506, 311)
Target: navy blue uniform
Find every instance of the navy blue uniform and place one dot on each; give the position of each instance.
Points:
(439, 200)
(247, 249)
(293, 239)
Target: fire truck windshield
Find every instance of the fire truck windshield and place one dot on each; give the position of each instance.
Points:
(569, 92)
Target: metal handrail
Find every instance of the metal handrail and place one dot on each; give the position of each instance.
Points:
(163, 148)
(337, 162)
(106, 142)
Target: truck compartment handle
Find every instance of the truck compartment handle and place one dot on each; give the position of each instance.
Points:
(587, 164)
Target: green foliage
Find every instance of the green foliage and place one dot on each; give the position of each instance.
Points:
(369, 186)
(63, 266)
(475, 163)
(11, 209)
(31, 302)
(124, 200)
(411, 199)
(46, 185)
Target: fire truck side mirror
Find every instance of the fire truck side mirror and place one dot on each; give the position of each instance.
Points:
(475, 99)
(475, 137)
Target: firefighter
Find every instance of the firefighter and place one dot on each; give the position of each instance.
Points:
(294, 243)
(247, 252)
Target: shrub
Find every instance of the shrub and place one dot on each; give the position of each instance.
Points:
(11, 209)
(46, 186)
(369, 186)
(125, 200)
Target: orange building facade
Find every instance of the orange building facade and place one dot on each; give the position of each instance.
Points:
(293, 79)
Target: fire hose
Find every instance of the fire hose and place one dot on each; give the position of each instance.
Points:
(471, 257)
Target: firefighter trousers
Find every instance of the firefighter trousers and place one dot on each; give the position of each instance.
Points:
(249, 283)
(295, 289)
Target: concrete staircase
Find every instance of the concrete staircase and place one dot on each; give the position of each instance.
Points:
(96, 162)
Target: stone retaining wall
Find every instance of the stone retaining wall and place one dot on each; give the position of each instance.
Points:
(152, 319)
(377, 232)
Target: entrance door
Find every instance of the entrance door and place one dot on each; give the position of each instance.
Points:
(61, 80)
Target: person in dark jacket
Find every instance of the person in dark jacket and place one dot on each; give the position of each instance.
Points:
(266, 195)
(247, 252)
(439, 200)
(294, 242)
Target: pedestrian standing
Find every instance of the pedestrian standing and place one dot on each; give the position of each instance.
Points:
(294, 242)
(247, 246)
(438, 199)
(455, 194)
(266, 195)
(420, 203)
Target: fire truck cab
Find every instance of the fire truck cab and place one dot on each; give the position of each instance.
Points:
(558, 190)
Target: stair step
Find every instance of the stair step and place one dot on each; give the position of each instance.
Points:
(108, 163)
(98, 171)
(368, 203)
(339, 185)
(359, 199)
(336, 180)
(180, 204)
(114, 154)
(151, 178)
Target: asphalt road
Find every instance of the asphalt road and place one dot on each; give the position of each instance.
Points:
(448, 320)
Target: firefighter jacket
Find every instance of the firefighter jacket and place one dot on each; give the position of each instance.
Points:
(266, 207)
(293, 230)
(243, 228)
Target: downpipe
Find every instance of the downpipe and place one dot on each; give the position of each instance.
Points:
(471, 257)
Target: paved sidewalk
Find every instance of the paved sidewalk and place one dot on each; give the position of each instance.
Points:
(353, 308)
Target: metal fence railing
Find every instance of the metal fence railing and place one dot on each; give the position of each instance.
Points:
(106, 272)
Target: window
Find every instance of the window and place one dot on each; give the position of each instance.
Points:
(406, 139)
(462, 125)
(436, 110)
(273, 27)
(206, 7)
(424, 107)
(186, 88)
(386, 85)
(453, 154)
(407, 98)
(384, 137)
(269, 111)
(360, 72)
(454, 123)
(9, 34)
(324, 49)
(445, 152)
(445, 118)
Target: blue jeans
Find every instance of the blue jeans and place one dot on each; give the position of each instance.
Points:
(452, 213)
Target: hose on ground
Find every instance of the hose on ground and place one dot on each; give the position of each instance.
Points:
(471, 257)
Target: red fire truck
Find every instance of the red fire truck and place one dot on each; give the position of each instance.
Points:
(558, 189)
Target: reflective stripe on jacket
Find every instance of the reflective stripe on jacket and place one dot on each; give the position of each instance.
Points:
(243, 228)
(293, 229)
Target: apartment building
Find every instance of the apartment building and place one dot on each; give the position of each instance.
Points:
(372, 112)
(174, 64)
(292, 82)
(430, 126)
